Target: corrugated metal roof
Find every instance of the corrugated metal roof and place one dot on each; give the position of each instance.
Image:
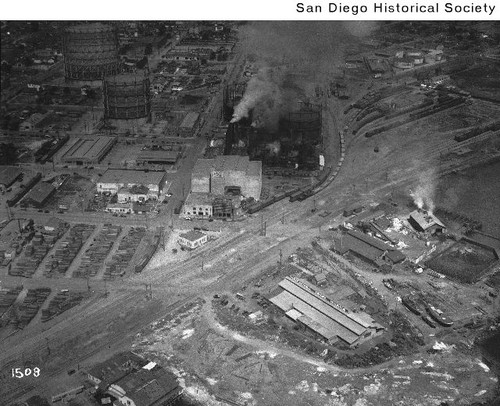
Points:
(88, 149)
(314, 319)
(8, 174)
(349, 321)
(368, 240)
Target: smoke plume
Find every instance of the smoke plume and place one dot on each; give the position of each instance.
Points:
(291, 59)
(424, 194)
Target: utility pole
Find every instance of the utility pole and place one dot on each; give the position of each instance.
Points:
(281, 256)
(283, 218)
(202, 265)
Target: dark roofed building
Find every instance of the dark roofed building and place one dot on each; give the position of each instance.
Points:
(115, 368)
(151, 385)
(38, 195)
(367, 248)
(395, 256)
(135, 381)
(424, 221)
(8, 175)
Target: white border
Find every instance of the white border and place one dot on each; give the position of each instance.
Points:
(233, 10)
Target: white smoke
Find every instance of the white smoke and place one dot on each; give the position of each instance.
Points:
(294, 57)
(274, 147)
(261, 88)
(424, 194)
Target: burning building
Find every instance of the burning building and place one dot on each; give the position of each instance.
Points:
(424, 221)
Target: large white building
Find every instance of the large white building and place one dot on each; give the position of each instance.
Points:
(228, 173)
(115, 179)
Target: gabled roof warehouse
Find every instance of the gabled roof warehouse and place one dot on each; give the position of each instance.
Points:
(318, 313)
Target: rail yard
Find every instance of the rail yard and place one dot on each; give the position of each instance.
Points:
(241, 249)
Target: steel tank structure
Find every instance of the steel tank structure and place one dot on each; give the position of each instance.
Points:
(90, 52)
(127, 97)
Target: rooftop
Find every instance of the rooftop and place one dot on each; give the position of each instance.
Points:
(148, 386)
(40, 192)
(8, 174)
(158, 156)
(190, 120)
(374, 242)
(425, 219)
(318, 313)
(131, 176)
(203, 167)
(88, 149)
(117, 367)
(199, 198)
(223, 163)
(193, 235)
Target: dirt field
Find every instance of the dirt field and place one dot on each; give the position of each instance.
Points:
(464, 262)
(218, 365)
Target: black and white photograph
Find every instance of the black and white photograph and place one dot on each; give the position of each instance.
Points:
(251, 213)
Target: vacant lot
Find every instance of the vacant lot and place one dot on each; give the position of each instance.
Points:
(462, 261)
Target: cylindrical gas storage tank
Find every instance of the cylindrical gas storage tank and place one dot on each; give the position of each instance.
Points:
(90, 52)
(127, 96)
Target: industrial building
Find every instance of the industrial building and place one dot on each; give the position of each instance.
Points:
(115, 179)
(305, 305)
(228, 174)
(126, 97)
(135, 381)
(8, 175)
(425, 221)
(188, 125)
(192, 239)
(85, 151)
(90, 52)
(38, 195)
(207, 205)
(136, 194)
(198, 205)
(367, 248)
(35, 121)
(158, 157)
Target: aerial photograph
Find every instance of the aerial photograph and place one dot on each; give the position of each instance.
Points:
(249, 213)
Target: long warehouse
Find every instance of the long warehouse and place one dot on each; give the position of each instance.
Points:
(303, 304)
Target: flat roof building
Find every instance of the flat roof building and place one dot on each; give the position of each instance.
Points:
(115, 179)
(158, 157)
(192, 239)
(198, 205)
(86, 151)
(225, 172)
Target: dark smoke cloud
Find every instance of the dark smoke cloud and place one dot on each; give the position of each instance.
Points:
(291, 58)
